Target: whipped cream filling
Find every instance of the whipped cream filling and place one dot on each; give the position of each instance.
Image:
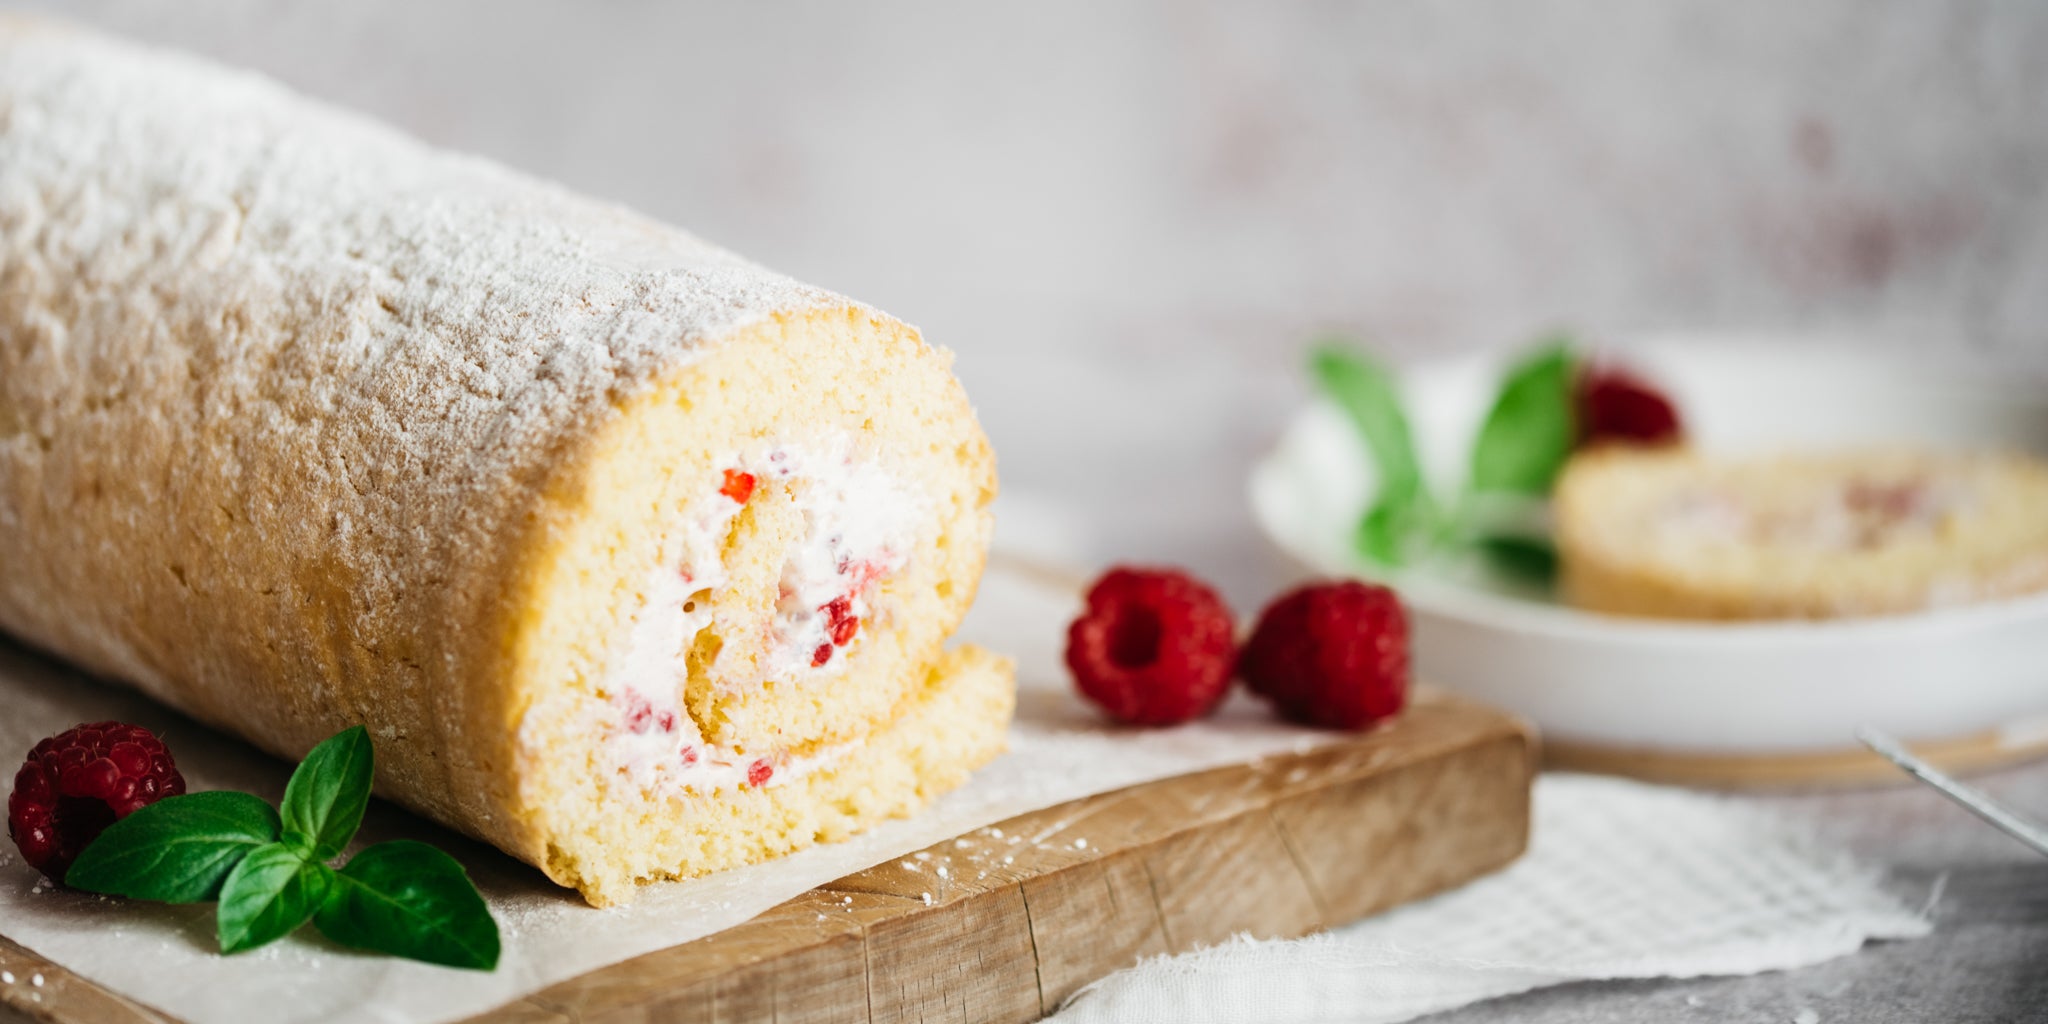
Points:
(859, 526)
(1855, 515)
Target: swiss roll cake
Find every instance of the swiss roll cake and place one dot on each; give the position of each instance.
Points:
(637, 559)
(1674, 534)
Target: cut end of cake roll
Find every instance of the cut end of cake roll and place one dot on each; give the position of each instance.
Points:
(1673, 534)
(725, 813)
(752, 576)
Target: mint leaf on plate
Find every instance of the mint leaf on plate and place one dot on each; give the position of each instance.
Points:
(412, 900)
(268, 896)
(1401, 512)
(325, 799)
(177, 850)
(1528, 434)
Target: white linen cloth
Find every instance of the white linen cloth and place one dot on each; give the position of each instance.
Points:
(1622, 880)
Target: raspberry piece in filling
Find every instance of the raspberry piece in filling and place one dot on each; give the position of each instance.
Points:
(759, 772)
(739, 486)
(843, 623)
(822, 655)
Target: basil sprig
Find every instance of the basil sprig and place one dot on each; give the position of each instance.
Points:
(1522, 446)
(1527, 436)
(272, 873)
(1402, 512)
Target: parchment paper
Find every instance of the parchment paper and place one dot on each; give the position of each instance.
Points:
(166, 956)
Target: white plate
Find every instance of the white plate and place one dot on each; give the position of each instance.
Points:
(1698, 688)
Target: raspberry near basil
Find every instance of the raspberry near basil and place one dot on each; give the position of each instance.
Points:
(78, 782)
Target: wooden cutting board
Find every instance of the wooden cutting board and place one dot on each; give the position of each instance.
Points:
(1002, 924)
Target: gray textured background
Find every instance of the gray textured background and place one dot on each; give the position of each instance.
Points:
(1128, 218)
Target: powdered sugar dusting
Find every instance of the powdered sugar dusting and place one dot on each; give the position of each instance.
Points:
(363, 359)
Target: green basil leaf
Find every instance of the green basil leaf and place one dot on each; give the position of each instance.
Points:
(1529, 559)
(177, 850)
(1528, 433)
(325, 799)
(268, 896)
(1401, 511)
(409, 899)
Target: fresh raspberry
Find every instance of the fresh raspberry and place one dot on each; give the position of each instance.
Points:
(1615, 405)
(1153, 647)
(1331, 654)
(78, 782)
(738, 486)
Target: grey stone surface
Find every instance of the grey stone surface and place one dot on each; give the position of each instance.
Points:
(1983, 963)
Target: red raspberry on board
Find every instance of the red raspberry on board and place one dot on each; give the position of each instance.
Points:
(1615, 405)
(1331, 654)
(1153, 647)
(78, 782)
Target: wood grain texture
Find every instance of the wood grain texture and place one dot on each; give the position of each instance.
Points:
(34, 989)
(1004, 923)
